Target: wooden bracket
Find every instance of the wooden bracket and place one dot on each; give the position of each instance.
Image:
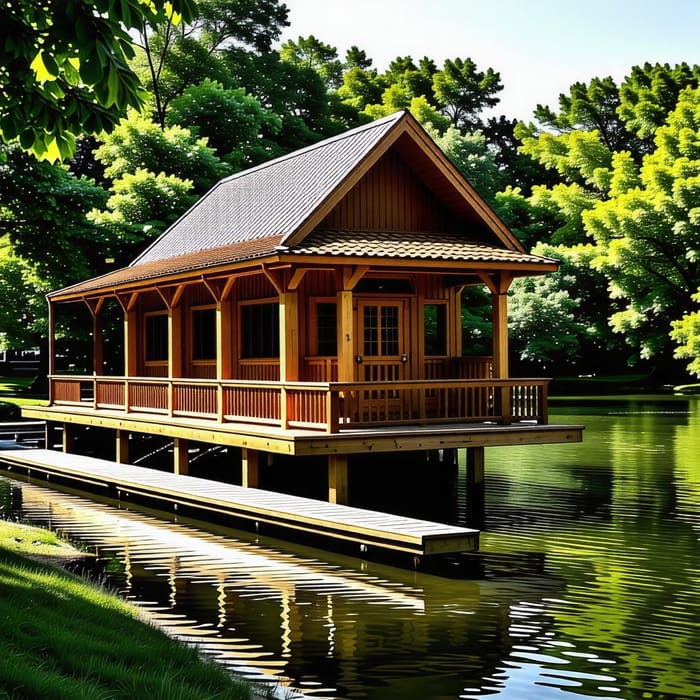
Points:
(352, 277)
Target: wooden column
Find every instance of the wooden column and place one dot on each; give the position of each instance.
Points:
(131, 363)
(500, 335)
(250, 465)
(346, 338)
(338, 479)
(52, 352)
(181, 462)
(289, 336)
(224, 340)
(175, 342)
(122, 452)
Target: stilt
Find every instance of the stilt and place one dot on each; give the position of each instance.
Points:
(250, 468)
(338, 479)
(181, 456)
(122, 440)
(68, 437)
(476, 512)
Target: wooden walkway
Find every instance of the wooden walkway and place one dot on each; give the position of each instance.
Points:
(366, 527)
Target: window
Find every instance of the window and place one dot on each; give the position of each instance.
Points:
(157, 337)
(326, 329)
(261, 330)
(435, 329)
(204, 334)
(381, 330)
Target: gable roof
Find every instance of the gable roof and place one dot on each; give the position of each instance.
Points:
(276, 208)
(288, 196)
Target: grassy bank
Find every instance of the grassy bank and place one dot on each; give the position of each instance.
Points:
(14, 393)
(64, 638)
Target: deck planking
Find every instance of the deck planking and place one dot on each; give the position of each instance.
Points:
(365, 527)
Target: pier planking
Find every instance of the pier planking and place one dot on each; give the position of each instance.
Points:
(365, 527)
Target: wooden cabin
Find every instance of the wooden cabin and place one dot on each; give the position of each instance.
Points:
(312, 305)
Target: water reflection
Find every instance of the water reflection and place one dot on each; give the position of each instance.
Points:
(589, 587)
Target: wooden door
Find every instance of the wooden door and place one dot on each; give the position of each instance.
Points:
(382, 356)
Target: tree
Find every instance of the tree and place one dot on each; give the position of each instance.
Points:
(155, 176)
(648, 234)
(686, 334)
(43, 211)
(309, 52)
(463, 92)
(230, 120)
(64, 68)
(23, 317)
(175, 56)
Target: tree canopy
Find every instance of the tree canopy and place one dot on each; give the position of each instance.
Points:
(64, 68)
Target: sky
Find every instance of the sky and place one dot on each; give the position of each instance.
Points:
(539, 47)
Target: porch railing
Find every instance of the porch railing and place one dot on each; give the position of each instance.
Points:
(326, 406)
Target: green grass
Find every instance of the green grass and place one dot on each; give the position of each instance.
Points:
(63, 638)
(14, 393)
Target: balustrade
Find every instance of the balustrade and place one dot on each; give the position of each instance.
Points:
(327, 406)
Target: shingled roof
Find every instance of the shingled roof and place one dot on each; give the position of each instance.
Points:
(277, 207)
(273, 199)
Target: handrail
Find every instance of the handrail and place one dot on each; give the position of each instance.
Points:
(327, 406)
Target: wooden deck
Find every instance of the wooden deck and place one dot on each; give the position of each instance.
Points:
(304, 442)
(365, 527)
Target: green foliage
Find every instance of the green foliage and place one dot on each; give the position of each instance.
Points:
(23, 317)
(463, 91)
(471, 155)
(64, 68)
(559, 320)
(140, 144)
(686, 334)
(142, 205)
(309, 52)
(230, 120)
(649, 235)
(43, 213)
(650, 92)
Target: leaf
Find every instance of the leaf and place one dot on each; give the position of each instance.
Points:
(44, 67)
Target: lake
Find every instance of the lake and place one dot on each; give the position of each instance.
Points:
(586, 586)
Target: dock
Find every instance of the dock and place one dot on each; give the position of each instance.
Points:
(369, 529)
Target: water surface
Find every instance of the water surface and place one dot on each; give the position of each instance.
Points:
(587, 584)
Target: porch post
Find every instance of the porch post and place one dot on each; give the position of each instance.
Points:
(346, 341)
(500, 342)
(51, 350)
(289, 336)
(131, 343)
(175, 341)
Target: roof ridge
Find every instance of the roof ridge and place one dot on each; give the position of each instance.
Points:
(396, 116)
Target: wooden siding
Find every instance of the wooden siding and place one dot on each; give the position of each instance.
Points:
(390, 198)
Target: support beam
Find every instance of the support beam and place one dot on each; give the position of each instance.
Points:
(175, 342)
(476, 499)
(122, 452)
(289, 337)
(250, 468)
(130, 343)
(181, 461)
(338, 479)
(346, 340)
(68, 438)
